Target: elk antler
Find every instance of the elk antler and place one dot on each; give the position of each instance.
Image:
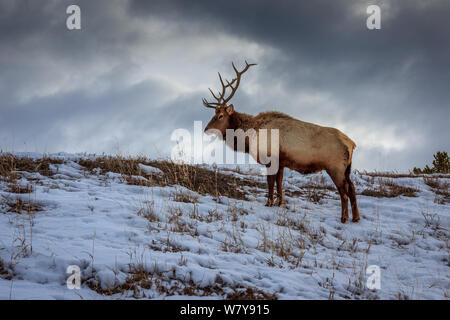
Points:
(221, 100)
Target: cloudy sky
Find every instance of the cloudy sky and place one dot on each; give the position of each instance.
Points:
(137, 70)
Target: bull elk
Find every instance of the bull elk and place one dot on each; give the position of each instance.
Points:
(303, 147)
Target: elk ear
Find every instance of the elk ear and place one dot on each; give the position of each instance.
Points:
(230, 109)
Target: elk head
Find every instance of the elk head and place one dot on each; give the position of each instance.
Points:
(221, 120)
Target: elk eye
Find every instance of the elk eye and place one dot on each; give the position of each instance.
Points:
(220, 117)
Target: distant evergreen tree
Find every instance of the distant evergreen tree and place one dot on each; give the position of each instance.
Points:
(441, 164)
(417, 170)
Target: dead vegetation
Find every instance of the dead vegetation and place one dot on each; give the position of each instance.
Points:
(314, 191)
(18, 205)
(178, 223)
(143, 283)
(379, 174)
(10, 165)
(295, 237)
(180, 195)
(193, 177)
(250, 294)
(315, 194)
(387, 188)
(440, 188)
(393, 174)
(288, 247)
(311, 193)
(213, 215)
(148, 211)
(11, 170)
(5, 271)
(138, 181)
(17, 188)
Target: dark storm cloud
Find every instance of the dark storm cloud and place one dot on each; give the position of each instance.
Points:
(136, 70)
(398, 76)
(327, 45)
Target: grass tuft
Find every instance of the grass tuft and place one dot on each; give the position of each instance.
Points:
(387, 188)
(193, 177)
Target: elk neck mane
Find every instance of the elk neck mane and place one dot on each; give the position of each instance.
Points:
(246, 121)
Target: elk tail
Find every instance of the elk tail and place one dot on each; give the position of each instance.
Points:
(348, 171)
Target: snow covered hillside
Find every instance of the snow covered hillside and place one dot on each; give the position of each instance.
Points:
(150, 229)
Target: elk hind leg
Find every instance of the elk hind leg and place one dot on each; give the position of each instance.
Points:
(279, 180)
(352, 195)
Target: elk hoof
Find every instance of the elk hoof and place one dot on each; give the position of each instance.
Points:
(280, 203)
(355, 219)
(269, 203)
(344, 219)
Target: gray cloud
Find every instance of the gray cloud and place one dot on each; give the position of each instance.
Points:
(138, 69)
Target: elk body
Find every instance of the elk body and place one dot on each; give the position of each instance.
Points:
(304, 147)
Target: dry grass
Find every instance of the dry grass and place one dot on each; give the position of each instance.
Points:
(18, 205)
(387, 188)
(289, 245)
(179, 223)
(394, 174)
(194, 177)
(432, 221)
(236, 211)
(16, 188)
(250, 294)
(5, 272)
(315, 194)
(142, 283)
(179, 195)
(440, 188)
(213, 216)
(10, 171)
(434, 183)
(138, 181)
(117, 164)
(377, 174)
(11, 164)
(313, 191)
(233, 242)
(148, 211)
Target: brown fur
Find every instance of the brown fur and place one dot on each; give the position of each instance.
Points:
(304, 147)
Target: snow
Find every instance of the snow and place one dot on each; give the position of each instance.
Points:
(97, 222)
(150, 170)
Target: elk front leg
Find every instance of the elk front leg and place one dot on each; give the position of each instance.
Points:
(280, 195)
(338, 177)
(270, 184)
